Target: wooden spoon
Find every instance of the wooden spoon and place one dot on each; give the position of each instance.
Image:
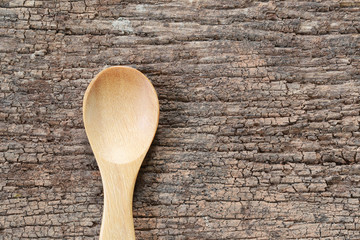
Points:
(121, 115)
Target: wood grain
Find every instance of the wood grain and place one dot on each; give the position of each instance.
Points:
(258, 134)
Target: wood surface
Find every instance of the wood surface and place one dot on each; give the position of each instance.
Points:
(121, 115)
(258, 133)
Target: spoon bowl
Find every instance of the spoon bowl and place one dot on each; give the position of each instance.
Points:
(121, 114)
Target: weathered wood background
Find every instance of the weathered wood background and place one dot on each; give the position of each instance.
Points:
(259, 128)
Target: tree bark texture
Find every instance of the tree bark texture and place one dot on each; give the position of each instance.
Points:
(259, 126)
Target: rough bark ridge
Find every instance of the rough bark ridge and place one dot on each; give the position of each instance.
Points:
(259, 126)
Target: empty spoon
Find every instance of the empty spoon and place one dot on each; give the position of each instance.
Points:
(121, 114)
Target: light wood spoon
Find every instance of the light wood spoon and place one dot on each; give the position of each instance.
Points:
(121, 115)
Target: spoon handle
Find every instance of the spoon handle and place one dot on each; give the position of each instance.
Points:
(118, 182)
